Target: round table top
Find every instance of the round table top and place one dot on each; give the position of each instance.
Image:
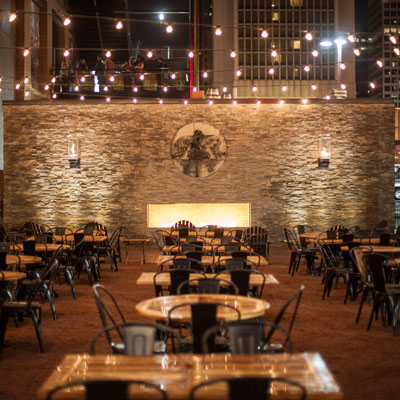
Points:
(158, 308)
(135, 240)
(22, 259)
(12, 275)
(41, 247)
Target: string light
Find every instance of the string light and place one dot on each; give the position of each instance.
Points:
(224, 89)
(258, 102)
(233, 54)
(254, 89)
(304, 101)
(218, 31)
(309, 36)
(205, 74)
(274, 53)
(160, 101)
(119, 25)
(66, 53)
(185, 102)
(46, 87)
(393, 39)
(105, 88)
(190, 54)
(165, 89)
(343, 86)
(281, 101)
(194, 89)
(54, 96)
(76, 88)
(108, 54)
(315, 53)
(397, 51)
(284, 88)
(173, 76)
(380, 63)
(327, 97)
(26, 53)
(342, 66)
(135, 89)
(314, 86)
(141, 77)
(271, 71)
(234, 102)
(67, 21)
(372, 85)
(108, 99)
(238, 73)
(27, 93)
(264, 33)
(210, 102)
(169, 29)
(53, 79)
(26, 80)
(112, 78)
(134, 101)
(12, 17)
(82, 98)
(17, 86)
(351, 38)
(83, 79)
(307, 68)
(149, 54)
(357, 52)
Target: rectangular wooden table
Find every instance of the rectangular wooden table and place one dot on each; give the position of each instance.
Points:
(211, 260)
(146, 278)
(132, 242)
(178, 373)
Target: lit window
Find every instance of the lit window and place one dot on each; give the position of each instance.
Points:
(296, 44)
(296, 3)
(275, 16)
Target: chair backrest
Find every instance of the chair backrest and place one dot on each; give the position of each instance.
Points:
(139, 337)
(108, 389)
(258, 387)
(295, 299)
(258, 240)
(327, 254)
(218, 232)
(380, 227)
(357, 253)
(208, 285)
(29, 247)
(4, 250)
(183, 224)
(110, 313)
(183, 232)
(177, 277)
(232, 264)
(115, 236)
(384, 239)
(291, 240)
(204, 315)
(41, 239)
(3, 233)
(377, 265)
(302, 229)
(247, 337)
(89, 228)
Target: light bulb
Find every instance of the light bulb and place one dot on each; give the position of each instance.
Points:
(66, 53)
(218, 31)
(165, 89)
(307, 68)
(304, 101)
(254, 88)
(169, 29)
(372, 85)
(67, 21)
(284, 88)
(54, 96)
(26, 52)
(83, 79)
(119, 25)
(233, 54)
(53, 79)
(210, 102)
(238, 72)
(134, 101)
(380, 63)
(309, 36)
(161, 17)
(26, 80)
(108, 99)
(343, 86)
(82, 98)
(357, 52)
(108, 54)
(315, 53)
(46, 87)
(135, 89)
(397, 51)
(281, 101)
(190, 54)
(76, 88)
(271, 71)
(274, 53)
(173, 76)
(105, 88)
(314, 87)
(327, 97)
(12, 17)
(264, 33)
(141, 77)
(205, 74)
(112, 78)
(149, 54)
(17, 86)
(351, 38)
(160, 101)
(27, 93)
(393, 39)
(194, 90)
(234, 102)
(342, 66)
(258, 102)
(185, 102)
(224, 89)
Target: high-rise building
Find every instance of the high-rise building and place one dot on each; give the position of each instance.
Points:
(279, 45)
(384, 65)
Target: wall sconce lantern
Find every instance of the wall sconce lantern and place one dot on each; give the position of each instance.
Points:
(324, 152)
(74, 152)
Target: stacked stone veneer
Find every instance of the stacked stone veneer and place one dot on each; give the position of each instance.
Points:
(126, 164)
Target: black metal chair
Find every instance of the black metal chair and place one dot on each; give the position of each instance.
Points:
(110, 249)
(107, 389)
(385, 296)
(259, 388)
(177, 276)
(204, 315)
(257, 238)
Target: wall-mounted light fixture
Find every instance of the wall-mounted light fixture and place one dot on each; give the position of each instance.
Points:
(324, 152)
(74, 152)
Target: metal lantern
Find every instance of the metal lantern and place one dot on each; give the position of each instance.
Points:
(74, 152)
(324, 152)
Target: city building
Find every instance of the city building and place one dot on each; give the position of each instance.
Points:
(275, 48)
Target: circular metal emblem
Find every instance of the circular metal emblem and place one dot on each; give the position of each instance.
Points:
(198, 149)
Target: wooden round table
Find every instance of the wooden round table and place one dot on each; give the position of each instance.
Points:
(22, 259)
(158, 307)
(12, 275)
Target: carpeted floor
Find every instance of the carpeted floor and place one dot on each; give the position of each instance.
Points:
(364, 363)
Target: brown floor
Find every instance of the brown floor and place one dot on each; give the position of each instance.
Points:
(365, 364)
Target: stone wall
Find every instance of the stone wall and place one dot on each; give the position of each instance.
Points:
(271, 162)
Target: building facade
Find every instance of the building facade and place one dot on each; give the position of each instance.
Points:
(273, 52)
(384, 18)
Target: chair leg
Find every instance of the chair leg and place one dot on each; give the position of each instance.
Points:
(110, 259)
(50, 298)
(363, 297)
(88, 271)
(3, 325)
(70, 280)
(37, 323)
(375, 309)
